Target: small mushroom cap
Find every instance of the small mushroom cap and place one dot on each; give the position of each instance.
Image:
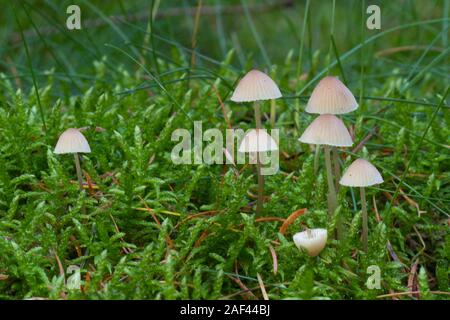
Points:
(361, 173)
(331, 96)
(327, 129)
(257, 140)
(255, 86)
(313, 241)
(72, 141)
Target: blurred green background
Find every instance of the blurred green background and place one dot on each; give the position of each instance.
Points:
(261, 32)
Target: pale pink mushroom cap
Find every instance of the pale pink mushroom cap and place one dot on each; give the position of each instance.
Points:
(255, 86)
(361, 173)
(257, 140)
(331, 96)
(312, 242)
(72, 141)
(329, 130)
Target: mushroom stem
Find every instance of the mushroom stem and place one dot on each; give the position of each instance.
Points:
(258, 163)
(308, 232)
(337, 168)
(364, 218)
(259, 202)
(257, 115)
(332, 203)
(78, 168)
(273, 113)
(316, 159)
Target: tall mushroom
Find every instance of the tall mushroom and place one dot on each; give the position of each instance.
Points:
(253, 87)
(73, 141)
(362, 173)
(329, 131)
(331, 96)
(255, 142)
(256, 86)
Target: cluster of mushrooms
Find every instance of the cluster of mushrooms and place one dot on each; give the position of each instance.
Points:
(329, 98)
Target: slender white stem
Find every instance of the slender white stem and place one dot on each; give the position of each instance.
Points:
(365, 227)
(337, 168)
(273, 113)
(78, 168)
(332, 201)
(259, 202)
(257, 115)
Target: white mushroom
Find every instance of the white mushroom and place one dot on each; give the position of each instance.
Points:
(73, 141)
(254, 142)
(362, 173)
(327, 129)
(331, 96)
(257, 140)
(255, 86)
(311, 240)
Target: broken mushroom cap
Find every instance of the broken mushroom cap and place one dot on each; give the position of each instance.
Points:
(72, 141)
(361, 173)
(331, 96)
(312, 240)
(329, 130)
(255, 86)
(257, 140)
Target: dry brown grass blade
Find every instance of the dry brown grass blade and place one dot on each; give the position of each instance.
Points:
(389, 51)
(124, 249)
(87, 281)
(377, 214)
(222, 106)
(291, 219)
(60, 266)
(77, 247)
(195, 215)
(168, 239)
(388, 243)
(3, 276)
(274, 259)
(246, 292)
(365, 140)
(262, 287)
(411, 202)
(269, 219)
(89, 183)
(201, 238)
(412, 278)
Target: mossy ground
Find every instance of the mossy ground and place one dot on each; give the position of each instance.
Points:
(148, 229)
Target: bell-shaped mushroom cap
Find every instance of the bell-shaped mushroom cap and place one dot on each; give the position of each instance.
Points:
(327, 129)
(361, 173)
(331, 96)
(254, 86)
(313, 241)
(72, 141)
(257, 140)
